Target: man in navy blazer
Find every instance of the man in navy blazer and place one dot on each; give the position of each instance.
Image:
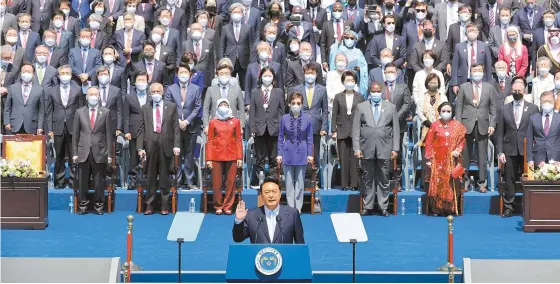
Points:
(252, 17)
(84, 72)
(303, 31)
(269, 224)
(155, 68)
(129, 51)
(379, 42)
(64, 39)
(378, 74)
(354, 14)
(188, 98)
(27, 38)
(543, 133)
(522, 19)
(254, 69)
(278, 48)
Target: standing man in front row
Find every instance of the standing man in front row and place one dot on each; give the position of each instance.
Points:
(92, 142)
(543, 133)
(158, 140)
(375, 139)
(281, 224)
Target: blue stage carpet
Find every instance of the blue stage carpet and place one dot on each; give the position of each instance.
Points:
(396, 243)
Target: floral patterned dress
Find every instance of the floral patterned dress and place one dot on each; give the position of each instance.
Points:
(441, 140)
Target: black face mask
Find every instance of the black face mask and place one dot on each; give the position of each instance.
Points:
(313, 4)
(517, 96)
(274, 13)
(211, 10)
(428, 34)
(389, 5)
(491, 2)
(352, 3)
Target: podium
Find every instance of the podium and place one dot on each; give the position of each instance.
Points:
(268, 263)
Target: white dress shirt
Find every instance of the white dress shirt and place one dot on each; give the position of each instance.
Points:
(540, 85)
(389, 39)
(452, 14)
(471, 45)
(518, 108)
(349, 102)
(271, 220)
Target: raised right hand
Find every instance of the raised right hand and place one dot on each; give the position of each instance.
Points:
(240, 211)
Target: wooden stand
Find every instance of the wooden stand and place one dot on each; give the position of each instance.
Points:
(540, 205)
(25, 203)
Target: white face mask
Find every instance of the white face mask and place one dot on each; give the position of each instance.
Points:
(156, 38)
(505, 20)
(270, 38)
(66, 12)
(555, 40)
(390, 78)
(445, 116)
(263, 56)
(11, 39)
(477, 76)
(236, 17)
(267, 80)
(85, 42)
(108, 59)
(543, 71)
(501, 75)
(156, 98)
(41, 59)
(196, 35)
(223, 111)
(203, 22)
(386, 60)
(26, 77)
(305, 56)
(294, 47)
(103, 79)
(224, 80)
(99, 11)
(65, 79)
(340, 65)
(349, 86)
(557, 84)
(50, 42)
(24, 27)
(128, 26)
(464, 17)
(2, 9)
(92, 101)
(164, 21)
(131, 9)
(183, 78)
(548, 22)
(420, 16)
(428, 62)
(390, 28)
(547, 108)
(58, 24)
(141, 86)
(337, 15)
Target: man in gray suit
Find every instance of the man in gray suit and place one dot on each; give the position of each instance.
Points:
(223, 90)
(19, 52)
(92, 146)
(475, 107)
(442, 19)
(44, 74)
(7, 20)
(375, 140)
(204, 51)
(41, 13)
(498, 32)
(24, 110)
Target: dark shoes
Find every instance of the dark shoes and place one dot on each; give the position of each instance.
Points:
(385, 213)
(507, 213)
(366, 212)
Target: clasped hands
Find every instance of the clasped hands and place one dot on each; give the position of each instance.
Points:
(183, 124)
(360, 155)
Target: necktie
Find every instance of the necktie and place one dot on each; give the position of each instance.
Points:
(530, 18)
(58, 35)
(49, 57)
(297, 31)
(547, 125)
(475, 95)
(40, 74)
(419, 31)
(313, 15)
(376, 113)
(236, 32)
(92, 118)
(104, 96)
(309, 96)
(149, 70)
(93, 34)
(517, 114)
(266, 97)
(25, 93)
(183, 94)
(111, 4)
(389, 92)
(473, 54)
(246, 16)
(224, 92)
(492, 17)
(197, 50)
(351, 15)
(64, 95)
(84, 59)
(158, 119)
(24, 39)
(339, 29)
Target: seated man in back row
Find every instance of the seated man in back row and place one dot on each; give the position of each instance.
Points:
(281, 223)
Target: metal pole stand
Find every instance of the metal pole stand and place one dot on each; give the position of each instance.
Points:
(449, 266)
(180, 241)
(132, 265)
(353, 242)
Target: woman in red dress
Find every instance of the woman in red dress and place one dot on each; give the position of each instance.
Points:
(444, 144)
(224, 154)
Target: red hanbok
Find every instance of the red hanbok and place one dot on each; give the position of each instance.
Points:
(442, 139)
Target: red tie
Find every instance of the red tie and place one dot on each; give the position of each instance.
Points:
(502, 85)
(473, 55)
(92, 118)
(197, 51)
(339, 30)
(93, 34)
(389, 91)
(158, 119)
(547, 125)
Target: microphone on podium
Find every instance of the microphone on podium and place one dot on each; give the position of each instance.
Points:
(279, 221)
(258, 226)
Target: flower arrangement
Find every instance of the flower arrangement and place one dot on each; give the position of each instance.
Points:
(17, 169)
(547, 172)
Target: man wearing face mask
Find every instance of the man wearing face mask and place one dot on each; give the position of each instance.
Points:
(315, 15)
(155, 69)
(114, 9)
(41, 13)
(62, 102)
(24, 109)
(252, 17)
(303, 31)
(378, 74)
(528, 19)
(372, 26)
(157, 143)
(459, 33)
(498, 34)
(129, 40)
(204, 51)
(84, 54)
(132, 109)
(278, 48)
(138, 22)
(110, 97)
(188, 99)
(475, 108)
(236, 41)
(64, 39)
(376, 146)
(413, 33)
(332, 33)
(202, 17)
(294, 72)
(8, 72)
(465, 56)
(354, 14)
(502, 85)
(543, 133)
(57, 57)
(163, 53)
(254, 69)
(540, 35)
(429, 42)
(445, 14)
(99, 38)
(44, 74)
(489, 12)
(7, 19)
(18, 52)
(389, 39)
(92, 142)
(513, 121)
(27, 38)
(117, 74)
(177, 18)
(171, 37)
(71, 23)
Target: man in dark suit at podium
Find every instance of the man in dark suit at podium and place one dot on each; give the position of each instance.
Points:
(269, 224)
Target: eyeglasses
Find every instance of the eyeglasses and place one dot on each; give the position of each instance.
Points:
(420, 10)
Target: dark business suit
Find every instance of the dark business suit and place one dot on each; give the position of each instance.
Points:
(206, 61)
(460, 71)
(416, 56)
(454, 37)
(93, 147)
(538, 41)
(264, 124)
(60, 120)
(341, 124)
(110, 97)
(93, 61)
(253, 71)
(540, 147)
(376, 75)
(103, 39)
(318, 111)
(40, 18)
(18, 6)
(49, 76)
(379, 43)
(328, 33)
(136, 45)
(295, 75)
(159, 149)
(167, 57)
(254, 21)
(157, 73)
(117, 78)
(24, 117)
(146, 10)
(189, 111)
(521, 19)
(278, 55)
(132, 112)
(306, 36)
(66, 40)
(510, 138)
(237, 51)
(18, 56)
(178, 21)
(58, 58)
(316, 16)
(173, 42)
(33, 40)
(118, 10)
(288, 231)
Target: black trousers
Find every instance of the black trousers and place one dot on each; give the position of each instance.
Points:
(133, 161)
(238, 70)
(188, 143)
(482, 152)
(158, 165)
(63, 148)
(410, 77)
(266, 146)
(97, 172)
(348, 163)
(397, 172)
(513, 168)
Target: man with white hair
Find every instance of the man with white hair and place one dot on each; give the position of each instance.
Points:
(502, 84)
(253, 70)
(544, 81)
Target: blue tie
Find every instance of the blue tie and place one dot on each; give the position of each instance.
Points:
(376, 113)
